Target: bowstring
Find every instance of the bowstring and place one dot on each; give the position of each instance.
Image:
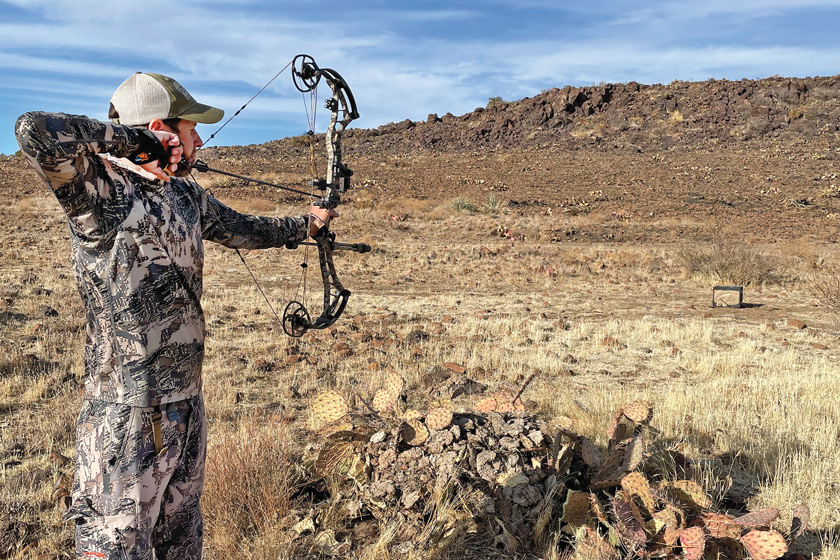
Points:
(311, 115)
(212, 136)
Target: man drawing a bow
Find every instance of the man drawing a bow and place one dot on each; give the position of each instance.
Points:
(137, 226)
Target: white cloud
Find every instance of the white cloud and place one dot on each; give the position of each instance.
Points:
(397, 61)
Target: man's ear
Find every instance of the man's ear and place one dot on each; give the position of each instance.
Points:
(158, 124)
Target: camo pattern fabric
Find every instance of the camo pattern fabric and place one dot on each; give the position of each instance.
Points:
(129, 500)
(137, 254)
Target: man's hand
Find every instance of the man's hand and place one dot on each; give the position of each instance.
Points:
(172, 144)
(320, 218)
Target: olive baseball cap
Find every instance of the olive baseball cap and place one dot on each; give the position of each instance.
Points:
(147, 96)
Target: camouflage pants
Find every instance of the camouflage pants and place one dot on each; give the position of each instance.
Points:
(131, 501)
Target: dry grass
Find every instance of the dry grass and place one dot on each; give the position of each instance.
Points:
(251, 470)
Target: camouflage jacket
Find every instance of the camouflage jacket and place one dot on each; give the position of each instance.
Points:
(137, 255)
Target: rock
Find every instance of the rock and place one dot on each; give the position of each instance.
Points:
(797, 324)
(457, 368)
(341, 349)
(47, 311)
(416, 336)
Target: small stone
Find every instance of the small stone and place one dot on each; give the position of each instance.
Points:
(341, 349)
(47, 311)
(416, 336)
(457, 368)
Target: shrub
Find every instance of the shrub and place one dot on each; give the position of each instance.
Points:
(493, 205)
(825, 286)
(727, 261)
(495, 102)
(462, 204)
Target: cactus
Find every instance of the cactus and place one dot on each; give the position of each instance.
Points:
(590, 453)
(507, 401)
(671, 520)
(801, 517)
(693, 542)
(438, 418)
(760, 518)
(394, 385)
(412, 414)
(636, 485)
(634, 454)
(383, 400)
(764, 544)
(721, 526)
(610, 472)
(407, 460)
(597, 509)
(627, 524)
(576, 508)
(329, 406)
(639, 412)
(486, 405)
(414, 432)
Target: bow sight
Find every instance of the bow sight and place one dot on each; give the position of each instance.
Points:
(306, 75)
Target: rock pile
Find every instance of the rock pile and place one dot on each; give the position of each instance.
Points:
(496, 473)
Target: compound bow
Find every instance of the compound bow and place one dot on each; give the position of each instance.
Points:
(306, 75)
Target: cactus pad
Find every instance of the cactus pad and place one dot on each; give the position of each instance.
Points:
(693, 542)
(635, 484)
(414, 432)
(438, 418)
(576, 508)
(329, 406)
(628, 526)
(394, 385)
(383, 400)
(505, 401)
(801, 517)
(486, 405)
(590, 453)
(634, 454)
(758, 518)
(764, 545)
(638, 411)
(412, 414)
(720, 526)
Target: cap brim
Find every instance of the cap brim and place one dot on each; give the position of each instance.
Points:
(201, 113)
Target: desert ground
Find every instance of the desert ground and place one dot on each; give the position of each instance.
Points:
(582, 260)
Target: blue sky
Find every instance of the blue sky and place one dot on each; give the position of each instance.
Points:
(401, 59)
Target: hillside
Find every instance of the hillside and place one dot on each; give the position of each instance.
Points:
(614, 162)
(654, 163)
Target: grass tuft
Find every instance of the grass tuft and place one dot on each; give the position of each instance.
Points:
(250, 471)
